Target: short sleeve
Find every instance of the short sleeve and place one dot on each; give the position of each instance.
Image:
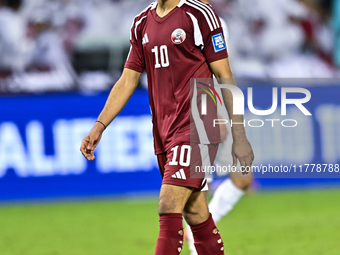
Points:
(214, 46)
(135, 59)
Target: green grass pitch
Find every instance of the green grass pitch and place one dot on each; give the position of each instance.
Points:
(269, 223)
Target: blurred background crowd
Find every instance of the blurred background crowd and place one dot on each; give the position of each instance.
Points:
(56, 45)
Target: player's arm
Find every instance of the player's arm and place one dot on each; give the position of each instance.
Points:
(241, 147)
(223, 130)
(119, 96)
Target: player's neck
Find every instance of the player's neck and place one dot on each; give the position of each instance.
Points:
(165, 6)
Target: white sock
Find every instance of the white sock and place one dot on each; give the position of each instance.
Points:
(224, 199)
(190, 240)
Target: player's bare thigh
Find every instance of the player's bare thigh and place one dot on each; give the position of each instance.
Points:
(172, 199)
(196, 209)
(177, 199)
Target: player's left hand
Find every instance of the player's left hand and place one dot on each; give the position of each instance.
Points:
(244, 153)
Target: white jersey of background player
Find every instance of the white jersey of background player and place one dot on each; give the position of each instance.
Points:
(230, 191)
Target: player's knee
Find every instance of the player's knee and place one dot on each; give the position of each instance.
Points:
(164, 207)
(193, 217)
(196, 209)
(242, 183)
(167, 206)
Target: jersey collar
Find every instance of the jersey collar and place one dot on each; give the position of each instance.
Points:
(181, 3)
(154, 4)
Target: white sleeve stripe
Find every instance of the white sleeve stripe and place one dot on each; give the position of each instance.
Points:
(209, 11)
(197, 31)
(133, 22)
(205, 15)
(208, 7)
(137, 24)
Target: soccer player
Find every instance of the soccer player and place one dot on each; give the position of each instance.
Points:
(174, 41)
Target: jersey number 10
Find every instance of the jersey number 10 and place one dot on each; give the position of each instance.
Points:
(182, 160)
(163, 52)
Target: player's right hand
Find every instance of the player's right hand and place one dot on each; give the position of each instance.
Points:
(90, 142)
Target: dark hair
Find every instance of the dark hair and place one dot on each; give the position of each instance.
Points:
(325, 7)
(14, 3)
(326, 4)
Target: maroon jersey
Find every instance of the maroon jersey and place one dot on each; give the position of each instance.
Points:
(172, 50)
